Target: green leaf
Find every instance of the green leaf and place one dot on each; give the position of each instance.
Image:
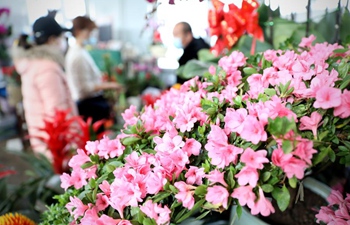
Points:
(331, 155)
(195, 68)
(266, 176)
(160, 196)
(205, 55)
(270, 92)
(203, 215)
(321, 155)
(230, 178)
(282, 196)
(201, 190)
(280, 126)
(244, 45)
(239, 210)
(130, 140)
(293, 182)
(267, 188)
(149, 221)
(249, 70)
(196, 206)
(287, 146)
(87, 165)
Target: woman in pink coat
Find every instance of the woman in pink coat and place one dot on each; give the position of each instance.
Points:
(44, 85)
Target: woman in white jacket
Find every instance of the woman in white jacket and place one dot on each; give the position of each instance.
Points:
(84, 77)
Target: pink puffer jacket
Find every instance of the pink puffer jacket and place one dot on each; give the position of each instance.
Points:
(44, 88)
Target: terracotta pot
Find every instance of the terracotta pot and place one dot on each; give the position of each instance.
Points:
(246, 218)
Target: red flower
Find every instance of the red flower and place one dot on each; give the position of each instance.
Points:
(230, 26)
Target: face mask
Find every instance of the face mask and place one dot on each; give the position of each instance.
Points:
(91, 41)
(178, 42)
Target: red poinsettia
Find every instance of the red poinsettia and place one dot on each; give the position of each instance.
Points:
(229, 25)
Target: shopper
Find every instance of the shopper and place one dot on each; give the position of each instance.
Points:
(44, 85)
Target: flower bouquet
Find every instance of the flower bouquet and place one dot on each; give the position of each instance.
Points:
(249, 129)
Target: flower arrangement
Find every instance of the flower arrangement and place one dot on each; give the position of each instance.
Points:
(337, 211)
(249, 129)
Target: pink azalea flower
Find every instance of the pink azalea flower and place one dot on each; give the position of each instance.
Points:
(325, 215)
(343, 110)
(105, 187)
(92, 147)
(256, 85)
(327, 97)
(163, 214)
(79, 159)
(254, 159)
(148, 208)
(185, 194)
(306, 42)
(311, 123)
(76, 207)
(232, 62)
(342, 212)
(215, 176)
(279, 158)
(78, 178)
(130, 116)
(168, 143)
(245, 195)
(212, 70)
(229, 93)
(106, 220)
(110, 148)
(192, 147)
(335, 198)
(101, 201)
(65, 181)
(248, 175)
(90, 217)
(155, 181)
(157, 212)
(234, 120)
(124, 222)
(217, 195)
(194, 175)
(294, 167)
(262, 206)
(304, 150)
(253, 130)
(184, 119)
(220, 152)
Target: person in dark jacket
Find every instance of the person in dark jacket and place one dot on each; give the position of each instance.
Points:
(183, 38)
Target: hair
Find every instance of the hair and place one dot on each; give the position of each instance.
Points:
(186, 28)
(23, 41)
(82, 23)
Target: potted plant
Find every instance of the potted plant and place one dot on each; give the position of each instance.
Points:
(249, 130)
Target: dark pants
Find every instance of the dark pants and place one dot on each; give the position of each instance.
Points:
(95, 107)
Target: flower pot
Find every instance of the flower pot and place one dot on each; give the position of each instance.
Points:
(246, 218)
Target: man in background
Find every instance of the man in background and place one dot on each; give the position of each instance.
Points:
(183, 38)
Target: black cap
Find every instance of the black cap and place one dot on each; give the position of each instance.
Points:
(47, 26)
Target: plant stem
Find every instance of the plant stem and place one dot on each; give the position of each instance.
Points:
(308, 15)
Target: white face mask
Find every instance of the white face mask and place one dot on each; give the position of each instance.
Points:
(177, 42)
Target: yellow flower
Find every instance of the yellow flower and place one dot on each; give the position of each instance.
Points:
(15, 219)
(177, 86)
